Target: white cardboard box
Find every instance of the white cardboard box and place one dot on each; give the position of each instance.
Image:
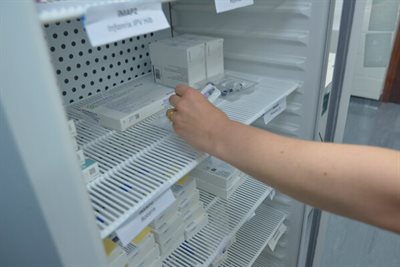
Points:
(123, 107)
(166, 216)
(166, 231)
(173, 242)
(90, 170)
(195, 226)
(146, 260)
(221, 192)
(176, 61)
(216, 171)
(214, 53)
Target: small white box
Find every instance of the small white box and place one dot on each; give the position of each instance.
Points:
(90, 170)
(127, 105)
(185, 186)
(165, 232)
(166, 216)
(141, 245)
(120, 261)
(156, 263)
(112, 250)
(188, 201)
(191, 214)
(72, 128)
(81, 156)
(195, 226)
(177, 61)
(74, 144)
(214, 52)
(146, 260)
(221, 192)
(173, 242)
(217, 172)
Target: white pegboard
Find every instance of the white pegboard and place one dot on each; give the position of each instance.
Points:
(83, 70)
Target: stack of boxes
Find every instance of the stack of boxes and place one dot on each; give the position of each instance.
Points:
(179, 222)
(182, 220)
(188, 59)
(190, 209)
(116, 256)
(217, 177)
(90, 168)
(143, 251)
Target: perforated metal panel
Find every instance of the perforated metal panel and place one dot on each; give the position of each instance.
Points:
(83, 70)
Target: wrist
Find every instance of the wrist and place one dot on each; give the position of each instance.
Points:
(219, 138)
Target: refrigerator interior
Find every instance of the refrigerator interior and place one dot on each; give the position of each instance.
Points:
(281, 44)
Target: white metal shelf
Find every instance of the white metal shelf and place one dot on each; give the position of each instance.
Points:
(225, 219)
(58, 10)
(254, 236)
(139, 164)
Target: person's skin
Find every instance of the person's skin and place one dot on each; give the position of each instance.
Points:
(359, 182)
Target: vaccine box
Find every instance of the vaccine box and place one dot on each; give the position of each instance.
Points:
(90, 170)
(165, 232)
(216, 171)
(80, 156)
(177, 61)
(214, 53)
(221, 192)
(191, 214)
(173, 242)
(140, 245)
(184, 187)
(112, 250)
(195, 226)
(165, 217)
(72, 128)
(127, 105)
(146, 260)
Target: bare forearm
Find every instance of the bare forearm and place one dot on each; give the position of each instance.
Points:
(354, 181)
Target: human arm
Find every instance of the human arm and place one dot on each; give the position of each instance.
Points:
(354, 181)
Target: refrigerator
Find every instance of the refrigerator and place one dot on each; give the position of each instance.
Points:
(48, 67)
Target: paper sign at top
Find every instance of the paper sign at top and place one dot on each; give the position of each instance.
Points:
(109, 23)
(225, 5)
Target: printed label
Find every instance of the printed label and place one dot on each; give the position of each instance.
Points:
(277, 109)
(109, 23)
(277, 235)
(132, 228)
(225, 5)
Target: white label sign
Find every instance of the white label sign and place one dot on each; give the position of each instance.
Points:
(277, 235)
(225, 5)
(277, 109)
(132, 228)
(110, 23)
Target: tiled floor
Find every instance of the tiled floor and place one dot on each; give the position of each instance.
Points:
(350, 243)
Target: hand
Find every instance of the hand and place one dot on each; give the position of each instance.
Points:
(196, 120)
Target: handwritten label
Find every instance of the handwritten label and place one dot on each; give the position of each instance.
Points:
(277, 235)
(277, 109)
(132, 228)
(109, 23)
(225, 5)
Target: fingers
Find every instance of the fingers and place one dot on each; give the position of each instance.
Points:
(181, 89)
(170, 114)
(173, 100)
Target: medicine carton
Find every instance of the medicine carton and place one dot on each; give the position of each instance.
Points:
(177, 61)
(214, 53)
(127, 105)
